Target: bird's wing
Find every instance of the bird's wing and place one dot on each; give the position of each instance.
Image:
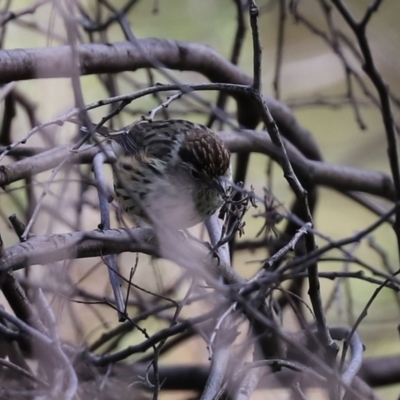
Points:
(155, 139)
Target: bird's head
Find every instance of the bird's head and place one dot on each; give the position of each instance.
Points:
(206, 159)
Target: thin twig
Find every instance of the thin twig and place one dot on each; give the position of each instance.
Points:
(110, 260)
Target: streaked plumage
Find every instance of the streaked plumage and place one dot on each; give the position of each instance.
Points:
(171, 172)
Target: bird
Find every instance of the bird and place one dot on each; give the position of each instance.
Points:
(172, 172)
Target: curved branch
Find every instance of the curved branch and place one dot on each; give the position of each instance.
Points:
(315, 172)
(357, 349)
(338, 177)
(98, 58)
(52, 248)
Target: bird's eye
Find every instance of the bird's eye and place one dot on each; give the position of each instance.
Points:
(194, 174)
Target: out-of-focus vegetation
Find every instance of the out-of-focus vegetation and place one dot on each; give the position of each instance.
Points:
(310, 76)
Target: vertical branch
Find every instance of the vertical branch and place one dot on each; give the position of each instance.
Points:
(348, 70)
(279, 48)
(257, 50)
(237, 47)
(110, 260)
(240, 32)
(314, 286)
(72, 36)
(221, 348)
(359, 29)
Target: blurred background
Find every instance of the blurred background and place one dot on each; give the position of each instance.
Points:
(312, 83)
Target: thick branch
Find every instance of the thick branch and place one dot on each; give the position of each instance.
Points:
(339, 177)
(55, 62)
(52, 248)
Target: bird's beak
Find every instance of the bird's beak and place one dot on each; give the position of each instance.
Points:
(219, 185)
